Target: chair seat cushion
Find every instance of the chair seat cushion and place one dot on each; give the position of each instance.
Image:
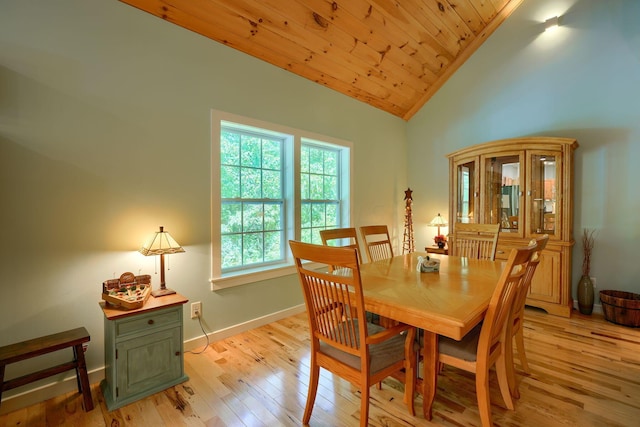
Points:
(381, 355)
(466, 348)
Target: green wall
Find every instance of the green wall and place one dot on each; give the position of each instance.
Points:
(581, 81)
(105, 135)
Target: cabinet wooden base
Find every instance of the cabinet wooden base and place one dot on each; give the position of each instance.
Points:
(112, 405)
(552, 308)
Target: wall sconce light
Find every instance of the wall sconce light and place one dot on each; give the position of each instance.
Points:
(551, 23)
(161, 243)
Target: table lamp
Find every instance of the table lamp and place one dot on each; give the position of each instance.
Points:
(161, 243)
(438, 221)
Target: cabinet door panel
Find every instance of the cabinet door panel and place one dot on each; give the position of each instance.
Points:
(147, 361)
(465, 180)
(502, 191)
(545, 285)
(546, 184)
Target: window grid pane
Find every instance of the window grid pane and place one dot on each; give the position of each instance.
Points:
(261, 189)
(252, 204)
(319, 191)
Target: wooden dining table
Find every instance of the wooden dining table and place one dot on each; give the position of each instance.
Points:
(449, 302)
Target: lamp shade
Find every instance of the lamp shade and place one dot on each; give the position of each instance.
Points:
(438, 221)
(161, 243)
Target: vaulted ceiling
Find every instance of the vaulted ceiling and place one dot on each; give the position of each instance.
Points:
(391, 54)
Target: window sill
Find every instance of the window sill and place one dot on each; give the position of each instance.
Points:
(252, 276)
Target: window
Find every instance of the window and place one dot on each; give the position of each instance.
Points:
(252, 202)
(271, 184)
(320, 190)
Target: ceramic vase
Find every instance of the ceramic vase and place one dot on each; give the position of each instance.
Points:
(585, 295)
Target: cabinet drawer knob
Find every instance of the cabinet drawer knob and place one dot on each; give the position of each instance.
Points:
(151, 322)
(177, 353)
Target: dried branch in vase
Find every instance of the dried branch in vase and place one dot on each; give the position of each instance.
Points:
(588, 241)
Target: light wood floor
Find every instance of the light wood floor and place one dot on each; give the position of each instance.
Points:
(585, 372)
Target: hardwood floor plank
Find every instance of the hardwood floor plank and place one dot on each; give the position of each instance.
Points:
(585, 371)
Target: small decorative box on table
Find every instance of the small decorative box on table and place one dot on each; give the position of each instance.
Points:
(128, 291)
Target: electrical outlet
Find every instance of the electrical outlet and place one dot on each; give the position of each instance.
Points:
(196, 309)
(593, 280)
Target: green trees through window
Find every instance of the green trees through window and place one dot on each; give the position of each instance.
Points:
(319, 190)
(252, 200)
(257, 206)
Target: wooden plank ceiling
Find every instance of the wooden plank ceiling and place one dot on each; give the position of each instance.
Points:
(391, 54)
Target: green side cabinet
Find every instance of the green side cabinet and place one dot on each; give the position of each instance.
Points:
(143, 350)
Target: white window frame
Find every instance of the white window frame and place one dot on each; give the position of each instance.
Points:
(294, 138)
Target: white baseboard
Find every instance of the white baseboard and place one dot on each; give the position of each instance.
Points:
(47, 391)
(201, 341)
(69, 384)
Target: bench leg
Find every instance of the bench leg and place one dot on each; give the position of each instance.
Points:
(83, 377)
(1, 381)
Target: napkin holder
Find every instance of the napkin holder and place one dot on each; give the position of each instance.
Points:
(428, 265)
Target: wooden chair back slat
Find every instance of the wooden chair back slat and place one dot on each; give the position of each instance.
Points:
(343, 237)
(377, 242)
(503, 298)
(477, 241)
(515, 328)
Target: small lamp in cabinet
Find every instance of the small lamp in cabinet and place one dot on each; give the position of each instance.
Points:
(161, 243)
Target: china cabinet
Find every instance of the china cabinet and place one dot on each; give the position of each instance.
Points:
(525, 185)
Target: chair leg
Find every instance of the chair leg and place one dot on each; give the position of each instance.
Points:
(411, 371)
(510, 368)
(482, 392)
(314, 376)
(429, 373)
(521, 352)
(502, 370)
(364, 405)
(513, 384)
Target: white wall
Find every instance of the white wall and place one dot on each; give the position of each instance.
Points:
(105, 135)
(581, 81)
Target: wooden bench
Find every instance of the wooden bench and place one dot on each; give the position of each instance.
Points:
(38, 346)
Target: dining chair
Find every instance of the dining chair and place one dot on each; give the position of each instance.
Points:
(515, 326)
(377, 242)
(343, 237)
(338, 237)
(378, 246)
(477, 241)
(484, 346)
(342, 341)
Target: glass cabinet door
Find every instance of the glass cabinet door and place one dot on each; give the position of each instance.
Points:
(466, 190)
(545, 209)
(503, 191)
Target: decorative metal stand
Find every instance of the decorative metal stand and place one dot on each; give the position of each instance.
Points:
(408, 245)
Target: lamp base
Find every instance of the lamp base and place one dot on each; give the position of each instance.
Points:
(162, 292)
